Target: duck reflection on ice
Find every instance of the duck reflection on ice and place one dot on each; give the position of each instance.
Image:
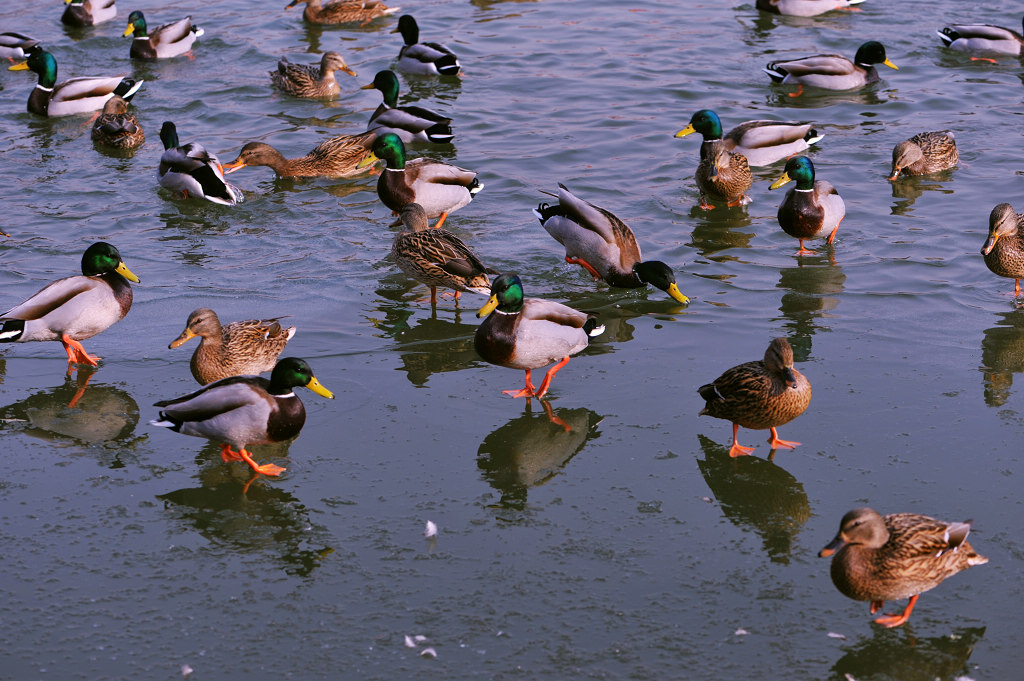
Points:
(260, 518)
(1002, 356)
(532, 448)
(102, 414)
(898, 654)
(756, 494)
(808, 303)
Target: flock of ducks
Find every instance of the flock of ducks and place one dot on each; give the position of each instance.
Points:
(875, 558)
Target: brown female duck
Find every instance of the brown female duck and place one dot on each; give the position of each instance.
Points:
(238, 349)
(924, 153)
(310, 80)
(436, 257)
(764, 394)
(117, 127)
(1004, 248)
(883, 558)
(343, 11)
(721, 174)
(336, 157)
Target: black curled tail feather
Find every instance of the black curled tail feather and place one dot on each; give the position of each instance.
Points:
(440, 133)
(448, 65)
(12, 330)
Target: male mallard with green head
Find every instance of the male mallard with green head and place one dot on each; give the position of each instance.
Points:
(812, 208)
(982, 39)
(759, 395)
(528, 333)
(832, 71)
(191, 169)
(237, 349)
(1004, 248)
(72, 96)
(901, 555)
(423, 58)
(439, 187)
(244, 411)
(162, 42)
(721, 174)
(605, 246)
(75, 308)
(411, 123)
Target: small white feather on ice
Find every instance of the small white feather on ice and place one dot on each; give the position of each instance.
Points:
(430, 530)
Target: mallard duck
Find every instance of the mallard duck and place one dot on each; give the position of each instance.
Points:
(1004, 248)
(436, 257)
(411, 123)
(926, 152)
(439, 187)
(16, 45)
(528, 333)
(335, 157)
(603, 245)
(721, 174)
(245, 410)
(812, 208)
(169, 40)
(804, 8)
(764, 394)
(75, 308)
(423, 58)
(72, 96)
(832, 71)
(982, 39)
(343, 11)
(311, 80)
(116, 127)
(191, 169)
(901, 555)
(88, 12)
(763, 142)
(238, 349)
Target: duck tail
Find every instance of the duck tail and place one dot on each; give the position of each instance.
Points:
(545, 212)
(592, 328)
(12, 330)
(440, 133)
(448, 65)
(198, 31)
(127, 88)
(475, 186)
(775, 72)
(813, 136)
(948, 35)
(164, 420)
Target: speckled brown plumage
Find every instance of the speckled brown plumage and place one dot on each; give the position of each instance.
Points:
(1004, 248)
(116, 127)
(880, 558)
(342, 11)
(764, 394)
(926, 152)
(315, 81)
(335, 157)
(723, 175)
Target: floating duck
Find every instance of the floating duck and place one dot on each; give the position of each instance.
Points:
(88, 12)
(722, 175)
(811, 209)
(237, 349)
(75, 308)
(528, 333)
(901, 555)
(1004, 248)
(72, 96)
(311, 80)
(244, 411)
(764, 394)
(169, 40)
(411, 123)
(924, 153)
(982, 39)
(16, 45)
(604, 245)
(439, 187)
(832, 71)
(763, 142)
(117, 127)
(335, 157)
(804, 8)
(191, 169)
(423, 58)
(436, 257)
(343, 11)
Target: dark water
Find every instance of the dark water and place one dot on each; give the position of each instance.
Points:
(630, 546)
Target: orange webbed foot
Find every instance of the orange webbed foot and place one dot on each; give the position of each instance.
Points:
(799, 91)
(739, 450)
(585, 265)
(265, 469)
(890, 621)
(775, 443)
